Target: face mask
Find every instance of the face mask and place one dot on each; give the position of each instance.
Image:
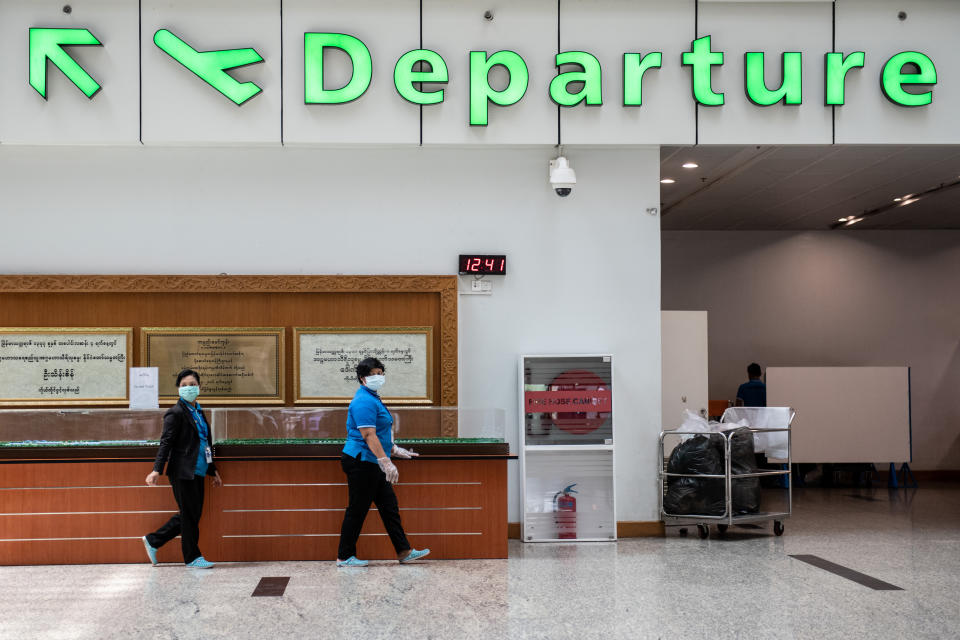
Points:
(375, 382)
(189, 393)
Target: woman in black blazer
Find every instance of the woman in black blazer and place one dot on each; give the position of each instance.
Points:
(185, 449)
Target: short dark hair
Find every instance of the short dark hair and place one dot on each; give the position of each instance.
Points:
(187, 372)
(754, 370)
(366, 366)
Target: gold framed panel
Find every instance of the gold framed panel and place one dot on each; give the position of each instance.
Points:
(444, 286)
(350, 356)
(222, 354)
(70, 357)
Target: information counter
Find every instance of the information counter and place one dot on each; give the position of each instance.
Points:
(77, 495)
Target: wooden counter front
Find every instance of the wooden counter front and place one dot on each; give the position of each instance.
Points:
(289, 507)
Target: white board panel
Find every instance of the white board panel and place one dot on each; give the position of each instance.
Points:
(529, 28)
(874, 26)
(610, 28)
(67, 116)
(389, 28)
(845, 414)
(736, 28)
(178, 106)
(683, 336)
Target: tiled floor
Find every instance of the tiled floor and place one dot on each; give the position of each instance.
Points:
(745, 585)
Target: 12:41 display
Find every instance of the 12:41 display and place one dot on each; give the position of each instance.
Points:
(483, 265)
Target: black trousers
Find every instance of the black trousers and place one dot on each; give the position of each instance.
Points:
(367, 483)
(186, 523)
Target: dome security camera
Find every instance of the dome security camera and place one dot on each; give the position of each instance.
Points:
(562, 176)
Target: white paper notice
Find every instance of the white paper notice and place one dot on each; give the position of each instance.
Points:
(144, 388)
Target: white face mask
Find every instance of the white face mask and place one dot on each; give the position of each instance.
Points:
(375, 382)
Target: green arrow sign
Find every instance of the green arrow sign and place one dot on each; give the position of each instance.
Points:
(47, 44)
(210, 65)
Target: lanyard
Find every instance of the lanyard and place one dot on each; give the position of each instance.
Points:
(200, 422)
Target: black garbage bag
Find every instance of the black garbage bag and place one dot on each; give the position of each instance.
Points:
(744, 491)
(696, 496)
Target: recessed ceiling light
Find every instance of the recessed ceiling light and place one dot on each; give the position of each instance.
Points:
(690, 165)
(842, 220)
(853, 220)
(667, 181)
(897, 199)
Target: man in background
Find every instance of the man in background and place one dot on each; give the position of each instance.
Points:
(753, 393)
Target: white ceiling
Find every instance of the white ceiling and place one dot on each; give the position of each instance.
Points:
(809, 187)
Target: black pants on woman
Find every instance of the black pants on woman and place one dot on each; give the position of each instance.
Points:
(186, 523)
(367, 483)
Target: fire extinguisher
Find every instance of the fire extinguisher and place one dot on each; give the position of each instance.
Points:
(565, 507)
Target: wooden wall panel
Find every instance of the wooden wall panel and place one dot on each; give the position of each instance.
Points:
(83, 525)
(323, 497)
(56, 474)
(104, 551)
(243, 301)
(73, 500)
(142, 498)
(304, 522)
(95, 512)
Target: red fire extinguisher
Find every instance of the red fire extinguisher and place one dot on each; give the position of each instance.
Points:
(565, 507)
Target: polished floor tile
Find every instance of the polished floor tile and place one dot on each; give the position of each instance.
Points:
(742, 585)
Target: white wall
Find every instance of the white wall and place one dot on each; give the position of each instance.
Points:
(831, 298)
(584, 271)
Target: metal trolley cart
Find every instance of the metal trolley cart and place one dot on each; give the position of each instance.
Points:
(764, 436)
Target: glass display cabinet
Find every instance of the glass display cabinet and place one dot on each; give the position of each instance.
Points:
(56, 432)
(73, 483)
(566, 457)
(61, 430)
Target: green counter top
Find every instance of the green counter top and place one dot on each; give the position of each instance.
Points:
(242, 449)
(399, 441)
(78, 443)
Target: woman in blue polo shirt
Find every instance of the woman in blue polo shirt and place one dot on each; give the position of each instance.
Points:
(370, 473)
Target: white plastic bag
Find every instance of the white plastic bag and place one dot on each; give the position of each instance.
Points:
(694, 422)
(699, 424)
(773, 444)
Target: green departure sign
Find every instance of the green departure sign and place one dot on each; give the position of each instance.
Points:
(895, 76)
(482, 94)
(420, 76)
(47, 44)
(837, 67)
(703, 58)
(210, 66)
(404, 76)
(791, 88)
(634, 66)
(314, 91)
(589, 75)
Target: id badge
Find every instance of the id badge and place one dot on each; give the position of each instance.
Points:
(209, 454)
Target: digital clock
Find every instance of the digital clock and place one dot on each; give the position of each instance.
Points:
(483, 265)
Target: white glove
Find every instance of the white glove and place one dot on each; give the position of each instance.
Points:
(405, 454)
(389, 469)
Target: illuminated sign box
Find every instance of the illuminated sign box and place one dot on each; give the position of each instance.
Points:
(420, 76)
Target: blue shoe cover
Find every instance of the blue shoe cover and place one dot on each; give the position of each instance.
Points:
(352, 561)
(415, 555)
(200, 563)
(151, 552)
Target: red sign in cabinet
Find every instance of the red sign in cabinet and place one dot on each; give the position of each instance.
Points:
(578, 401)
